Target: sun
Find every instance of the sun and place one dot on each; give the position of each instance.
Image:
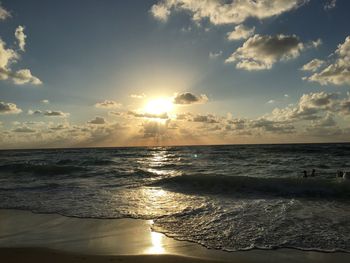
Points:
(159, 106)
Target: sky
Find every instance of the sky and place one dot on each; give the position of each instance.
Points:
(173, 72)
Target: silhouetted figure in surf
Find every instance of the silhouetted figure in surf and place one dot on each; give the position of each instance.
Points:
(305, 173)
(344, 175)
(340, 174)
(313, 173)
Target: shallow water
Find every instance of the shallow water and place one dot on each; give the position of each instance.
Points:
(223, 197)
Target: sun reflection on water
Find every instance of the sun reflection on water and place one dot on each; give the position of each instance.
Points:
(157, 243)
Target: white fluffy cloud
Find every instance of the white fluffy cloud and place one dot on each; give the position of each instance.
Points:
(24, 76)
(21, 37)
(337, 72)
(9, 56)
(4, 13)
(224, 12)
(240, 32)
(214, 55)
(330, 4)
(312, 106)
(313, 65)
(260, 52)
(108, 104)
(9, 108)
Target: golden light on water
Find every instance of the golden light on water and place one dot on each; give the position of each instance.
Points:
(157, 243)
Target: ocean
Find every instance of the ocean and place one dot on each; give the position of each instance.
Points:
(234, 197)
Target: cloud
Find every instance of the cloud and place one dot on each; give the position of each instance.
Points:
(148, 115)
(4, 13)
(309, 107)
(21, 37)
(34, 112)
(260, 52)
(59, 127)
(24, 76)
(327, 121)
(272, 126)
(313, 65)
(240, 32)
(9, 108)
(50, 113)
(24, 130)
(45, 101)
(20, 77)
(271, 102)
(338, 72)
(214, 55)
(154, 129)
(189, 98)
(223, 12)
(345, 105)
(138, 96)
(97, 120)
(108, 104)
(205, 118)
(7, 57)
(330, 4)
(160, 11)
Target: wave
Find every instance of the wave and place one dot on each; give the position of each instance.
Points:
(40, 169)
(285, 187)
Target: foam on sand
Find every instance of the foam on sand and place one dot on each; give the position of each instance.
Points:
(28, 237)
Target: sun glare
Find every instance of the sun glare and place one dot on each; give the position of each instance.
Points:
(159, 106)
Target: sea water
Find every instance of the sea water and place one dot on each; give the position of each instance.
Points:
(234, 197)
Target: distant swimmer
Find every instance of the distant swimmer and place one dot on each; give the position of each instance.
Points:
(339, 174)
(344, 175)
(305, 174)
(313, 173)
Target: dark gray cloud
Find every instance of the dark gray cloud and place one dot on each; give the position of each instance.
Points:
(260, 52)
(205, 118)
(9, 108)
(189, 98)
(272, 126)
(24, 130)
(50, 113)
(97, 120)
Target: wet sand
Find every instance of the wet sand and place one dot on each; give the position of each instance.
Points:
(29, 237)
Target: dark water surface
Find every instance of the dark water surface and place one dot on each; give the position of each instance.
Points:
(224, 197)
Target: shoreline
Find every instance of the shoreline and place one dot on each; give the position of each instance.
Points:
(27, 234)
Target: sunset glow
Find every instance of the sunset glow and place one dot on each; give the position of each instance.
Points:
(159, 106)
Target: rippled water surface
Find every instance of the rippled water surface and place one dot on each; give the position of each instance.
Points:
(223, 197)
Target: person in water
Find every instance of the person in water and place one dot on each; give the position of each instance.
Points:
(305, 173)
(344, 175)
(339, 173)
(313, 173)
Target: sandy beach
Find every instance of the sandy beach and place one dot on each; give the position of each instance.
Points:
(29, 237)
